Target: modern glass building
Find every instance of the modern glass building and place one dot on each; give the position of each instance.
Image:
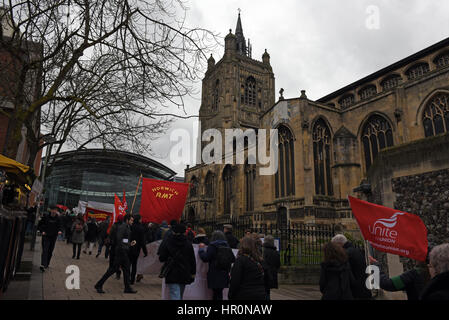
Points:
(98, 174)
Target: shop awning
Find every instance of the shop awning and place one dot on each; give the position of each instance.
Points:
(22, 173)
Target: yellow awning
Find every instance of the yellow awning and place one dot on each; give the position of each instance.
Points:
(12, 166)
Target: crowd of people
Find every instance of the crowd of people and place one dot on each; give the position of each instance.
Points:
(250, 275)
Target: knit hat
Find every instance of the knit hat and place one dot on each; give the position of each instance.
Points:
(179, 228)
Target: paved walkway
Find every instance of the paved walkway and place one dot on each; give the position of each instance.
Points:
(91, 270)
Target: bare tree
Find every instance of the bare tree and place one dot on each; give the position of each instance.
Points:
(96, 72)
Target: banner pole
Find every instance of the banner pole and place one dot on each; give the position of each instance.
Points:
(135, 195)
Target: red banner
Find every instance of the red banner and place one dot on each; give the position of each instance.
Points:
(99, 215)
(390, 230)
(162, 200)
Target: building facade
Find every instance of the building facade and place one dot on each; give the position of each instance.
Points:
(326, 147)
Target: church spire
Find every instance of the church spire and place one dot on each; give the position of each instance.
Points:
(241, 43)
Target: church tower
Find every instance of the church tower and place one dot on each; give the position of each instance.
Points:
(236, 90)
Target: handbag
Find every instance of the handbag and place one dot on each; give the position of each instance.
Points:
(168, 265)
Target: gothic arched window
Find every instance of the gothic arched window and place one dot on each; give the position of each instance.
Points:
(285, 175)
(390, 82)
(376, 135)
(216, 95)
(346, 101)
(193, 187)
(417, 71)
(250, 93)
(227, 189)
(322, 158)
(209, 184)
(436, 115)
(250, 176)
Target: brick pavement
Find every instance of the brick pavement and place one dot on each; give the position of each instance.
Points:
(91, 270)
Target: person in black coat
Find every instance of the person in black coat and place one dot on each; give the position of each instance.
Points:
(121, 260)
(102, 235)
(182, 272)
(217, 278)
(412, 281)
(138, 235)
(336, 278)
(272, 261)
(91, 235)
(232, 240)
(50, 227)
(356, 259)
(438, 286)
(247, 273)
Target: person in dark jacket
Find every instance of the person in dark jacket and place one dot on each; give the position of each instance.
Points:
(217, 278)
(438, 286)
(79, 230)
(201, 237)
(112, 242)
(102, 235)
(412, 281)
(137, 235)
(356, 259)
(91, 235)
(183, 270)
(31, 219)
(50, 227)
(232, 241)
(272, 261)
(68, 223)
(336, 279)
(121, 259)
(165, 232)
(247, 273)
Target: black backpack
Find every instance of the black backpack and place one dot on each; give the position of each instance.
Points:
(224, 258)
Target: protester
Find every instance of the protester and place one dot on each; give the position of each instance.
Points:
(102, 235)
(152, 231)
(163, 230)
(50, 227)
(247, 273)
(112, 242)
(190, 234)
(201, 237)
(336, 278)
(138, 236)
(272, 261)
(412, 281)
(232, 241)
(357, 262)
(31, 219)
(121, 256)
(79, 230)
(68, 222)
(91, 235)
(438, 286)
(179, 258)
(166, 231)
(220, 258)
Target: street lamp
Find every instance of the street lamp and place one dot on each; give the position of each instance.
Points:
(50, 140)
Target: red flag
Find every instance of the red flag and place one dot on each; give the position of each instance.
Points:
(162, 200)
(391, 230)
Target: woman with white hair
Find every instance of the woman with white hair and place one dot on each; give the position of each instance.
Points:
(438, 287)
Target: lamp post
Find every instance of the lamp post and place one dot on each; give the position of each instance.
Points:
(48, 139)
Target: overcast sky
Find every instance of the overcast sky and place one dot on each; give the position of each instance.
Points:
(317, 45)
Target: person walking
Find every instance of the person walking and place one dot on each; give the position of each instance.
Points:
(137, 235)
(31, 219)
(247, 273)
(220, 258)
(50, 227)
(91, 235)
(356, 259)
(336, 279)
(79, 230)
(232, 241)
(272, 261)
(121, 259)
(438, 286)
(201, 237)
(179, 258)
(102, 235)
(68, 222)
(112, 241)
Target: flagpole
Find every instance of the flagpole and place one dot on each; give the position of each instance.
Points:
(135, 195)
